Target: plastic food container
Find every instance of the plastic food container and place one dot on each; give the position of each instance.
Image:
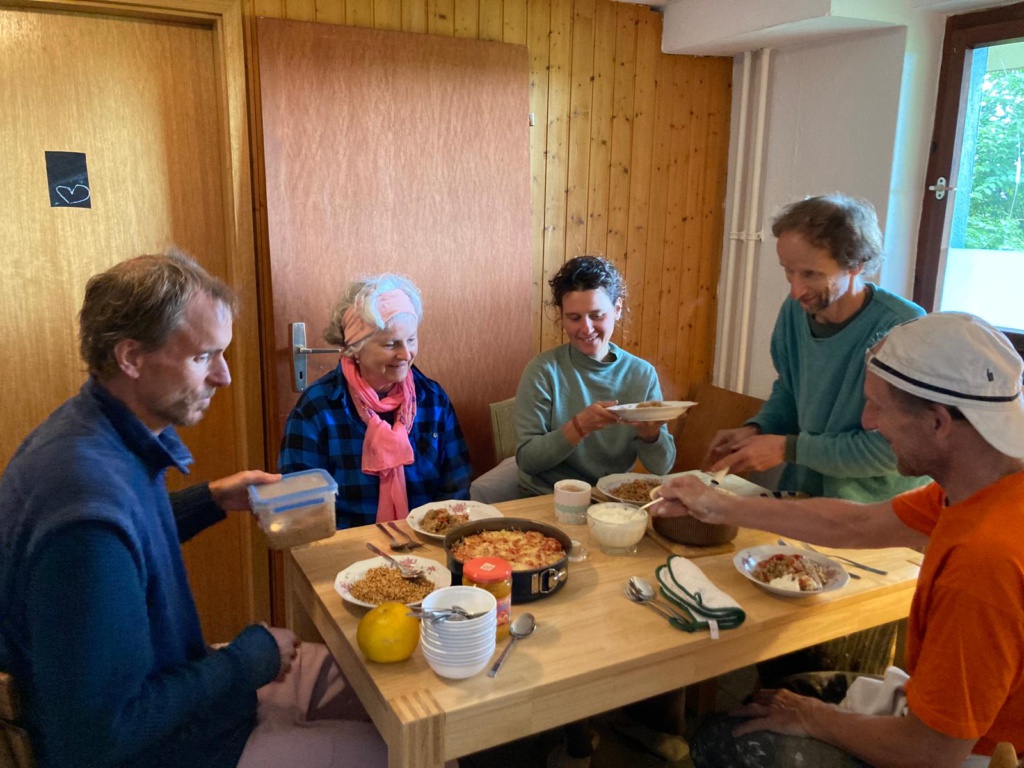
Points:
(297, 509)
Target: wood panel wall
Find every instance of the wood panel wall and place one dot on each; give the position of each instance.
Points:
(628, 155)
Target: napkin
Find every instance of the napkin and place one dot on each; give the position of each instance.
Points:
(868, 696)
(686, 586)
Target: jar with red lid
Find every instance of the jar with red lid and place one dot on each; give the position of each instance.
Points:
(494, 575)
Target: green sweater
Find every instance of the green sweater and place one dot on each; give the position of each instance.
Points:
(819, 396)
(562, 382)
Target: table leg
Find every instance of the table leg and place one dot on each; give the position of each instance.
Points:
(419, 738)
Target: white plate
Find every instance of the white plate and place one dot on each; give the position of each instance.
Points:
(668, 410)
(432, 569)
(475, 510)
(733, 483)
(608, 483)
(747, 559)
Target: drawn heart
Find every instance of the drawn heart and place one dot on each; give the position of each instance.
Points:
(73, 195)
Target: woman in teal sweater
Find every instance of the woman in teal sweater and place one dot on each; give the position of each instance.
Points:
(563, 424)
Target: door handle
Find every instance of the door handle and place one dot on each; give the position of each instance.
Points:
(940, 189)
(299, 354)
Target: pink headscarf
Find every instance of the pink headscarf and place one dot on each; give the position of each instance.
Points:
(386, 447)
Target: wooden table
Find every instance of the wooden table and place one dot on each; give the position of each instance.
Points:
(593, 649)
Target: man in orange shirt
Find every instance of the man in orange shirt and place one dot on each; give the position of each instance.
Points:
(945, 391)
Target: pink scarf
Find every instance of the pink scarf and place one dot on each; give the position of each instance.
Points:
(386, 447)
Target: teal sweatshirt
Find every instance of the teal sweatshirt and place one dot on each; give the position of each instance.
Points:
(562, 382)
(819, 396)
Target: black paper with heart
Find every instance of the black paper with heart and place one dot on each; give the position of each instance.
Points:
(68, 179)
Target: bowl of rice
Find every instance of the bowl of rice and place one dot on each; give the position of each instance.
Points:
(373, 581)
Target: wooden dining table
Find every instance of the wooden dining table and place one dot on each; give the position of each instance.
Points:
(593, 649)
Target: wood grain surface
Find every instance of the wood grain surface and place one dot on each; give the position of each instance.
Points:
(593, 650)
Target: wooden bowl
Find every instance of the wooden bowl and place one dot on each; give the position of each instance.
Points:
(692, 532)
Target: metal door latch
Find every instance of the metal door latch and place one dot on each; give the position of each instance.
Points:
(299, 353)
(940, 189)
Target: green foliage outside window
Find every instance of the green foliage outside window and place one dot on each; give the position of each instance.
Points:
(996, 218)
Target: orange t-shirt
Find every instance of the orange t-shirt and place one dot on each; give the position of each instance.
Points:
(965, 645)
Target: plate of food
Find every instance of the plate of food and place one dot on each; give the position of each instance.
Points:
(789, 571)
(434, 520)
(652, 410)
(629, 487)
(371, 582)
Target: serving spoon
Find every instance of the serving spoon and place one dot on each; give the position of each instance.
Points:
(523, 626)
(407, 573)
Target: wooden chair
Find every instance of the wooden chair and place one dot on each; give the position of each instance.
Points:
(501, 482)
(15, 747)
(503, 428)
(716, 409)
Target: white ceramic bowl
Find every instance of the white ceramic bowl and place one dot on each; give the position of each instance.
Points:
(468, 657)
(473, 599)
(616, 527)
(445, 645)
(458, 671)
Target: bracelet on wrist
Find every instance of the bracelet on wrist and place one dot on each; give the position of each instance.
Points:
(577, 427)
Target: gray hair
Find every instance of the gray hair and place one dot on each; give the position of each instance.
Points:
(846, 226)
(361, 296)
(143, 299)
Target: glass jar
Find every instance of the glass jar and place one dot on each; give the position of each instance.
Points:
(494, 575)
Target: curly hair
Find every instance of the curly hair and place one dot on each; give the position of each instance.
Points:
(847, 227)
(361, 294)
(143, 299)
(587, 273)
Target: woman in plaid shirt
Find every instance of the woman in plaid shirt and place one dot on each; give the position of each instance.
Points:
(386, 433)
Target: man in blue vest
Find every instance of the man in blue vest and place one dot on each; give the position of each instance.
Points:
(99, 625)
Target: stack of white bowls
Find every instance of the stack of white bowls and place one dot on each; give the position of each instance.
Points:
(459, 648)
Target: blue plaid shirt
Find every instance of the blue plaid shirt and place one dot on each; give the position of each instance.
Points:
(324, 431)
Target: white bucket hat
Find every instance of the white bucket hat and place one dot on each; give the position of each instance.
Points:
(958, 359)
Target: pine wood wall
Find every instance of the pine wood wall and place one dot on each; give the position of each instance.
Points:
(628, 155)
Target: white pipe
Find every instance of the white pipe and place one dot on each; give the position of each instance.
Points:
(753, 235)
(724, 345)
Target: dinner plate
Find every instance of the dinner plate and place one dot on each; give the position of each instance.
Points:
(475, 509)
(433, 570)
(668, 410)
(609, 483)
(747, 559)
(733, 483)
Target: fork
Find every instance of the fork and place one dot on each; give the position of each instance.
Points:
(407, 573)
(784, 543)
(854, 563)
(396, 545)
(412, 542)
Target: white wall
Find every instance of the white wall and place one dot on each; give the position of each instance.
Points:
(831, 127)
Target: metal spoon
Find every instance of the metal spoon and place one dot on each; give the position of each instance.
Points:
(636, 597)
(396, 545)
(413, 544)
(407, 573)
(646, 592)
(523, 626)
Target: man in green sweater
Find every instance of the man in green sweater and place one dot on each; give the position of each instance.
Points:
(812, 420)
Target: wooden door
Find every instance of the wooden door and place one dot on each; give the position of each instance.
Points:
(395, 152)
(143, 100)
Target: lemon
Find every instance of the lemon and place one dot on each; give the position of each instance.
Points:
(387, 633)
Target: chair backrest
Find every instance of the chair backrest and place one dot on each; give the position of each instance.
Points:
(716, 409)
(15, 747)
(503, 428)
